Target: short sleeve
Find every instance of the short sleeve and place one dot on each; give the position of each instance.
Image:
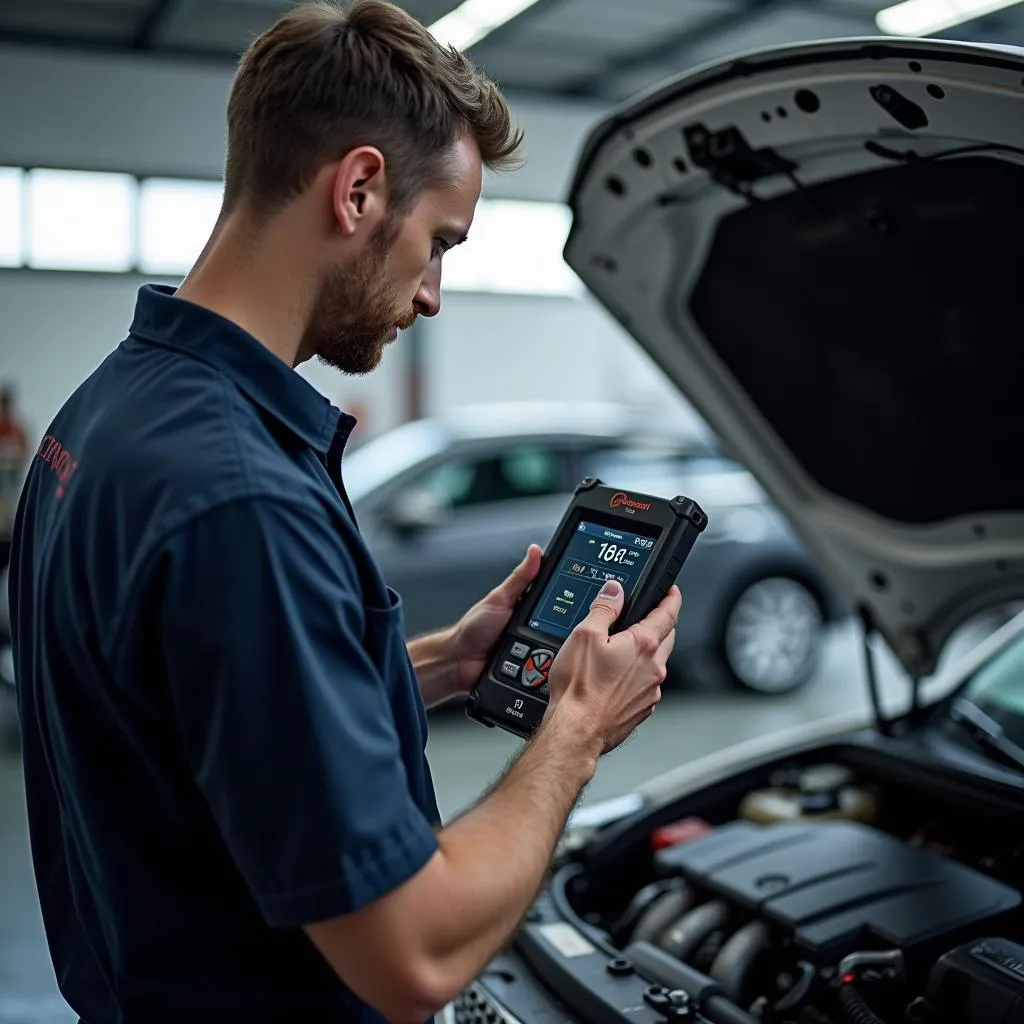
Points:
(283, 715)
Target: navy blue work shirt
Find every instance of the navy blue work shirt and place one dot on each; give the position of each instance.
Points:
(223, 733)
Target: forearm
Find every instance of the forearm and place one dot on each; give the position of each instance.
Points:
(435, 666)
(496, 856)
(412, 951)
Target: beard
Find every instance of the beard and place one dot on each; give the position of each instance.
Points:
(356, 310)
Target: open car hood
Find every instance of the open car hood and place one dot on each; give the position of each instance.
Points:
(820, 245)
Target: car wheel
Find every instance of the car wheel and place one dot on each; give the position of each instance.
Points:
(772, 636)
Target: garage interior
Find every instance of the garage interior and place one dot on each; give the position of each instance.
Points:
(111, 151)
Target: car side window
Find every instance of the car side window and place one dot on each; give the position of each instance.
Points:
(524, 471)
(635, 467)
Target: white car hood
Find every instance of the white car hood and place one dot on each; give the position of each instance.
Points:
(851, 327)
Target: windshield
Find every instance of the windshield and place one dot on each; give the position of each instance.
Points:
(391, 455)
(998, 689)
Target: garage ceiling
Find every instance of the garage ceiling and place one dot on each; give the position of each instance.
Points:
(603, 49)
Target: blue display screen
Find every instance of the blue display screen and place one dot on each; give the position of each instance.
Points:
(595, 554)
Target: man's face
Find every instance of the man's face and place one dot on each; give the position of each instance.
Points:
(360, 307)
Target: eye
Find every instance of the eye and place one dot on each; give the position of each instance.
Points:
(439, 249)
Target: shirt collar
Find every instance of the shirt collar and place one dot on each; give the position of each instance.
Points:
(163, 319)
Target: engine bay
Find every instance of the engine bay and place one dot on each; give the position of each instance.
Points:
(820, 890)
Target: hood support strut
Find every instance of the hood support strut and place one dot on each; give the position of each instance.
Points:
(885, 725)
(868, 631)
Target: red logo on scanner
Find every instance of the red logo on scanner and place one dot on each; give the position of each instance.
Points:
(624, 499)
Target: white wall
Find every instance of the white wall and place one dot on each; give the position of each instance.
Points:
(502, 348)
(161, 118)
(56, 328)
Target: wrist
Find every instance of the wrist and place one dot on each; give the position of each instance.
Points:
(448, 656)
(434, 660)
(571, 730)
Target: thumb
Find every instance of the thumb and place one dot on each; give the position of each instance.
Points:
(607, 606)
(521, 576)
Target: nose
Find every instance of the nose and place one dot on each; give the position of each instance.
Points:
(428, 296)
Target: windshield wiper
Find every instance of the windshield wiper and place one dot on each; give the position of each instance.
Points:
(987, 733)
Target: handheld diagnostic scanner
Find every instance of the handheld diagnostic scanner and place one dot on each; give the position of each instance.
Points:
(637, 539)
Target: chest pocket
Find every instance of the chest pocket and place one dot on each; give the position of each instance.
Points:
(385, 643)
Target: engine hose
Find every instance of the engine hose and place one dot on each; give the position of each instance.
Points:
(661, 914)
(855, 1008)
(737, 956)
(704, 955)
(686, 936)
(797, 995)
(625, 924)
(706, 995)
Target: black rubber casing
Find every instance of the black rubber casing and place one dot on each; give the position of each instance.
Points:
(518, 708)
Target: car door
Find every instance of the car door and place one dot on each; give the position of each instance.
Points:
(492, 501)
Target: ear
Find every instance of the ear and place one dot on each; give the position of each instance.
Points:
(360, 190)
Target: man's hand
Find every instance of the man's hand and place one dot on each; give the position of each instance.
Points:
(413, 950)
(475, 634)
(608, 684)
(450, 661)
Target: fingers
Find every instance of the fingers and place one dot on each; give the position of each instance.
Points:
(521, 576)
(649, 710)
(671, 604)
(607, 606)
(630, 727)
(665, 648)
(662, 620)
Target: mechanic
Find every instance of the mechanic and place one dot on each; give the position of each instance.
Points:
(231, 814)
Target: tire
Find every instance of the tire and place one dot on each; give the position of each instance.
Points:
(772, 635)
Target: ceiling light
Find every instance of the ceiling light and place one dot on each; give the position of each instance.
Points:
(474, 19)
(79, 220)
(926, 17)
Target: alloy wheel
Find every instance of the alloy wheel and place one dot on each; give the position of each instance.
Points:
(772, 635)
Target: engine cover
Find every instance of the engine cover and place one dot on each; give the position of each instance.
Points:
(834, 887)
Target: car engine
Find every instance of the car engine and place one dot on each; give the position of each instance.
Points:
(818, 897)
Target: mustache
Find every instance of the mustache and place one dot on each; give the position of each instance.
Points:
(407, 321)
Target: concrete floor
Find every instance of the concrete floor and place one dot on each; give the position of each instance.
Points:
(466, 758)
(28, 993)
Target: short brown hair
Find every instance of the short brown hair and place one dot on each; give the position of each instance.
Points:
(327, 78)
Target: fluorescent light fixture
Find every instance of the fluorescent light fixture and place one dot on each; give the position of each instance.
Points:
(474, 19)
(80, 220)
(926, 17)
(175, 221)
(514, 248)
(111, 222)
(10, 216)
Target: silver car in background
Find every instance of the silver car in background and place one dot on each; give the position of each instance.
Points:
(448, 506)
